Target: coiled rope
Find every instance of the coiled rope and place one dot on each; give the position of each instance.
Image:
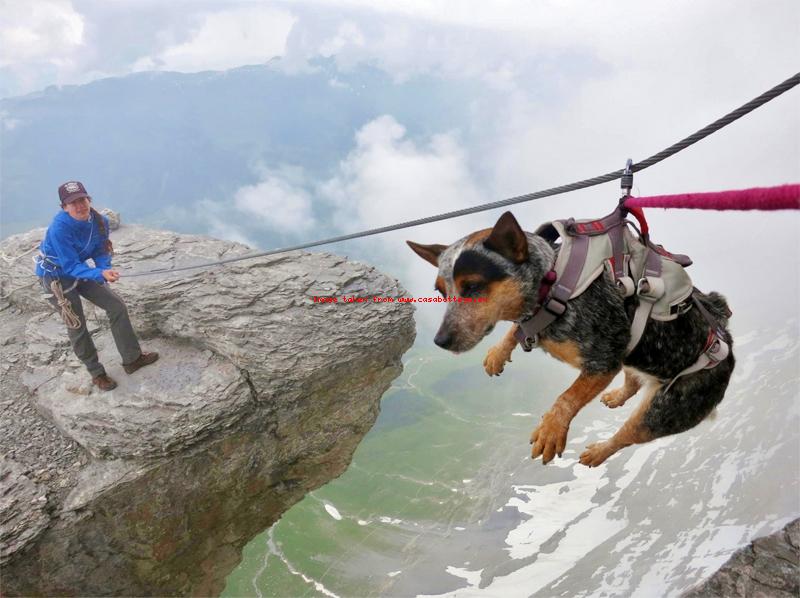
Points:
(70, 317)
(605, 178)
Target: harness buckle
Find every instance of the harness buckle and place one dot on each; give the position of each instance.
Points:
(555, 306)
(681, 308)
(718, 350)
(526, 342)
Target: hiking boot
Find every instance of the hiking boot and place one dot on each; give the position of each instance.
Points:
(103, 382)
(141, 361)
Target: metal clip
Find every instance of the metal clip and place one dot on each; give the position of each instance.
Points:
(529, 344)
(626, 181)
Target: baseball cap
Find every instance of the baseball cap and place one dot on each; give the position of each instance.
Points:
(70, 191)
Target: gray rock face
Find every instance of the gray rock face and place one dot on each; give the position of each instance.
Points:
(21, 508)
(769, 567)
(260, 395)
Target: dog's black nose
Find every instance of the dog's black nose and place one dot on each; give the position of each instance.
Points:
(443, 339)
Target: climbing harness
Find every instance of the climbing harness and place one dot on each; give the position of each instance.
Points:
(51, 282)
(658, 278)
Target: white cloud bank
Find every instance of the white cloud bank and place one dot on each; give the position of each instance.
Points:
(225, 39)
(277, 204)
(39, 42)
(388, 178)
(39, 32)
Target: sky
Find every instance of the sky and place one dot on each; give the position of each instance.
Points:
(572, 90)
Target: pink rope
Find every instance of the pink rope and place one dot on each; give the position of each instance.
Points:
(783, 197)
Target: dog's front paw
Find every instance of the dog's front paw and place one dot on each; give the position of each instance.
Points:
(496, 359)
(615, 398)
(549, 438)
(596, 453)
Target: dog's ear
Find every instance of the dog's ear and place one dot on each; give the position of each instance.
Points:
(508, 239)
(429, 253)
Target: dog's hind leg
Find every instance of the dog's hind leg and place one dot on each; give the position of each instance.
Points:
(550, 436)
(688, 402)
(618, 396)
(499, 354)
(633, 431)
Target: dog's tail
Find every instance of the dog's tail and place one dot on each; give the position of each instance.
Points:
(717, 305)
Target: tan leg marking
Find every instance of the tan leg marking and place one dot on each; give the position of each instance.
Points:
(565, 351)
(618, 396)
(633, 431)
(550, 437)
(499, 354)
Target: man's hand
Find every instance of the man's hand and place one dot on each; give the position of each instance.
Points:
(111, 275)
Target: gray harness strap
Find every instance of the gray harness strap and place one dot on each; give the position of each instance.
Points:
(649, 289)
(570, 263)
(716, 349)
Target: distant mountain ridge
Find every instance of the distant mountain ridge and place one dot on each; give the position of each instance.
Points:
(150, 140)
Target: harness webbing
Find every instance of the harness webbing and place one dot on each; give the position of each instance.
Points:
(715, 350)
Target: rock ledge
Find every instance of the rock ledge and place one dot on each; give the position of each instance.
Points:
(260, 396)
(769, 567)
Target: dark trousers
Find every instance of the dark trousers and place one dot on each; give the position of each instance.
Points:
(121, 329)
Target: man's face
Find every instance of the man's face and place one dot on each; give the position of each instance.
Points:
(79, 208)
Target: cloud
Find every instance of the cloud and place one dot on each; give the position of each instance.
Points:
(506, 45)
(224, 40)
(389, 178)
(276, 208)
(216, 219)
(276, 203)
(39, 42)
(45, 31)
(386, 178)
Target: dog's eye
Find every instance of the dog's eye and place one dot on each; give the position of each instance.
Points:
(471, 289)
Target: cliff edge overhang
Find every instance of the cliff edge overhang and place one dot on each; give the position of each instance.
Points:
(260, 396)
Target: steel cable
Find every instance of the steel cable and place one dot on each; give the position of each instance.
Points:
(605, 178)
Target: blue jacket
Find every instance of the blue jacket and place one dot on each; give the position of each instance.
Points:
(67, 245)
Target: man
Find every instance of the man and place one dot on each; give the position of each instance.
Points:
(79, 233)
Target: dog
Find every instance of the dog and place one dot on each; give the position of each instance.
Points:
(505, 265)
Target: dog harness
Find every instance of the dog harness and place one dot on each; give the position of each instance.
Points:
(637, 266)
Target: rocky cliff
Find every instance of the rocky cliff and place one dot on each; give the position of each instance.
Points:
(260, 396)
(768, 567)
